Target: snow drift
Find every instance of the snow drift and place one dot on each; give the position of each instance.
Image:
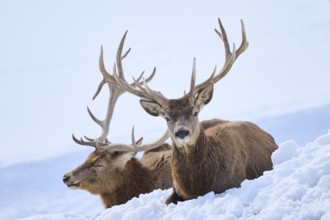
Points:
(297, 188)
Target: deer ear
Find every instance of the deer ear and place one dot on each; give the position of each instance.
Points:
(153, 108)
(204, 96)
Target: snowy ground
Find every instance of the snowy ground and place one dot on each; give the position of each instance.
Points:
(297, 188)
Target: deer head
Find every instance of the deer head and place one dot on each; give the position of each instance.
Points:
(97, 173)
(181, 114)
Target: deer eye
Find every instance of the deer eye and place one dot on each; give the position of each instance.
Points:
(195, 114)
(98, 165)
(167, 119)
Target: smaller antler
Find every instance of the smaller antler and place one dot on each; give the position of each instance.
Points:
(116, 90)
(134, 146)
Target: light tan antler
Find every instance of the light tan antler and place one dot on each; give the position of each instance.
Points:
(115, 92)
(230, 59)
(145, 92)
(136, 88)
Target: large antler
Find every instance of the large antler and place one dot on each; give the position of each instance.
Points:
(116, 90)
(136, 88)
(149, 94)
(230, 59)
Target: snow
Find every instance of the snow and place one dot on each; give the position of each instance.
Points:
(296, 188)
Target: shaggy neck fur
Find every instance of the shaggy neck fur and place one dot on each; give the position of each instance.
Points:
(191, 167)
(136, 180)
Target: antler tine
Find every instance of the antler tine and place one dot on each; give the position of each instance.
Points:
(123, 57)
(151, 75)
(119, 56)
(153, 145)
(196, 89)
(89, 139)
(193, 78)
(134, 146)
(143, 90)
(138, 84)
(230, 56)
(106, 76)
(137, 81)
(90, 142)
(96, 120)
(245, 44)
(99, 88)
(155, 95)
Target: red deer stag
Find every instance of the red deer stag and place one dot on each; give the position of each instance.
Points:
(212, 155)
(112, 171)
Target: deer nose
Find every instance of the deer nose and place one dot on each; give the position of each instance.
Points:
(66, 178)
(182, 134)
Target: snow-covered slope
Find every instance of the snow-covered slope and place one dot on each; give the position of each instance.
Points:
(36, 187)
(302, 126)
(297, 188)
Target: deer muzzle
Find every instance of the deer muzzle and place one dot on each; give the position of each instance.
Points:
(182, 134)
(69, 182)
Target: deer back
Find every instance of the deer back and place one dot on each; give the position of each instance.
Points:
(225, 154)
(158, 161)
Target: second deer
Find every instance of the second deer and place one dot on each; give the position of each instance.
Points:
(111, 170)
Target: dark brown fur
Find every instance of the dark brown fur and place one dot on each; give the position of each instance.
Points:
(136, 180)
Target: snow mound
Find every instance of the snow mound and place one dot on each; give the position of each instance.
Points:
(297, 188)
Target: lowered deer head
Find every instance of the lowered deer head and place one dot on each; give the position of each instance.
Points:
(111, 170)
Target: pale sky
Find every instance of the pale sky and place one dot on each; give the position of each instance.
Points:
(49, 64)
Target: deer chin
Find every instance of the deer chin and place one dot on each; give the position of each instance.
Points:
(181, 143)
(73, 185)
